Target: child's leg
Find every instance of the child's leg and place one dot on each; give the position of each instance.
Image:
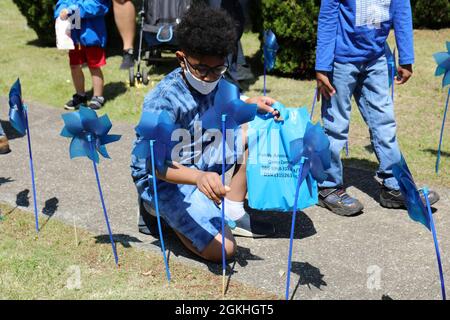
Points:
(196, 221)
(238, 183)
(78, 79)
(213, 251)
(376, 106)
(97, 81)
(336, 118)
(125, 15)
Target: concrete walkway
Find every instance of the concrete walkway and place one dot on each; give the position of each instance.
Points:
(380, 254)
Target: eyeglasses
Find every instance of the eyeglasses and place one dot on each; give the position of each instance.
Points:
(204, 70)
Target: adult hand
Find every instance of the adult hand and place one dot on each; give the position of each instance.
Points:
(64, 14)
(210, 184)
(324, 86)
(404, 73)
(265, 105)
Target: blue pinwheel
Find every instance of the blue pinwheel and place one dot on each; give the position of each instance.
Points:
(155, 130)
(157, 127)
(17, 111)
(89, 135)
(270, 49)
(228, 112)
(443, 68)
(443, 61)
(416, 208)
(227, 102)
(314, 147)
(18, 116)
(312, 154)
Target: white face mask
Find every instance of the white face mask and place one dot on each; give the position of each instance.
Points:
(201, 86)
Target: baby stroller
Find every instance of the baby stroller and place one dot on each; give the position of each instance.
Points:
(158, 21)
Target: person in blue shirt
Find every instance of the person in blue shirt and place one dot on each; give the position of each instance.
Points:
(351, 61)
(89, 36)
(190, 189)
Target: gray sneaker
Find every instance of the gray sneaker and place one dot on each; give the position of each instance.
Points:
(97, 103)
(252, 228)
(339, 202)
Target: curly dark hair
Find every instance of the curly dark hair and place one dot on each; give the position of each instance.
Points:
(206, 31)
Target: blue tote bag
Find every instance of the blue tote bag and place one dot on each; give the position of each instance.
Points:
(271, 180)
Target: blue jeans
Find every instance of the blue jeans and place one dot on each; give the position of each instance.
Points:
(368, 83)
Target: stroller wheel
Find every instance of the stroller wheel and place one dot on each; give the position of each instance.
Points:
(131, 77)
(145, 77)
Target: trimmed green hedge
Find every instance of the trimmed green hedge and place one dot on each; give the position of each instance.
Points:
(294, 22)
(432, 14)
(39, 15)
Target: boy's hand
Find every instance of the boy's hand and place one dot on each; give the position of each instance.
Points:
(324, 86)
(265, 105)
(404, 73)
(64, 14)
(210, 184)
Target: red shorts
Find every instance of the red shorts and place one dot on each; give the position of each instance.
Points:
(94, 57)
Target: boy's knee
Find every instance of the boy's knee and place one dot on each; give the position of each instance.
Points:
(230, 248)
(214, 251)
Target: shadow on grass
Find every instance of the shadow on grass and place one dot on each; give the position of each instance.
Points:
(257, 67)
(434, 152)
(369, 148)
(40, 44)
(124, 239)
(112, 90)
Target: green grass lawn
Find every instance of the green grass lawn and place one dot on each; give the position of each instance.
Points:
(47, 267)
(45, 75)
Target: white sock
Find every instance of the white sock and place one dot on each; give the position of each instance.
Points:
(234, 210)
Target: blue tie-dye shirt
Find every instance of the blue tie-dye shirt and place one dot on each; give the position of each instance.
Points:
(185, 106)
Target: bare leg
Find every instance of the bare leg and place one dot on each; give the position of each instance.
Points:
(213, 251)
(238, 182)
(125, 17)
(97, 81)
(78, 79)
